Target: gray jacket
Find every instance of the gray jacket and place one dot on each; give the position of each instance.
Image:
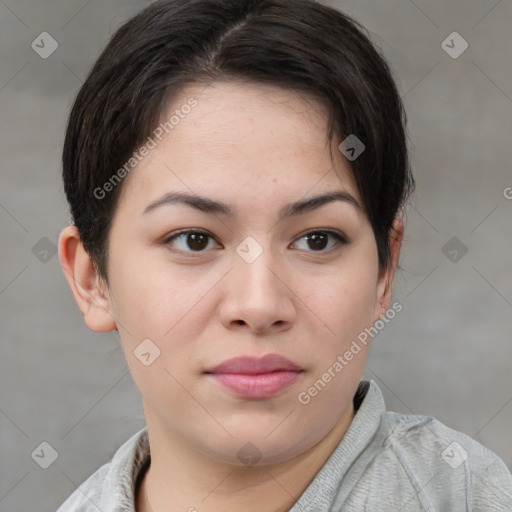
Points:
(386, 462)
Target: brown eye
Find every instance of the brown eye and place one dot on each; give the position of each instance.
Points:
(318, 240)
(189, 240)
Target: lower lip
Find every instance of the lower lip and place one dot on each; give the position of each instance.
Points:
(262, 385)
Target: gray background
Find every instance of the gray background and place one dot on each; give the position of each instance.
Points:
(448, 352)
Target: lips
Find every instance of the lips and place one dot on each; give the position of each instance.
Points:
(256, 365)
(256, 377)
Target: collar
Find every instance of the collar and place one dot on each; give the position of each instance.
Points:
(118, 490)
(343, 469)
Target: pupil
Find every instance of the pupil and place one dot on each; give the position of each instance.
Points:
(195, 244)
(317, 243)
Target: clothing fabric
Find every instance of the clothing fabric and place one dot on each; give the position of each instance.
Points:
(386, 462)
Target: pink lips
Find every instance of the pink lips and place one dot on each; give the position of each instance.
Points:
(256, 377)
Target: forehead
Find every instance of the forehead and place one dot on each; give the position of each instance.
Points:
(242, 136)
(247, 117)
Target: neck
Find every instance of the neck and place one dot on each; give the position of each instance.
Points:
(191, 482)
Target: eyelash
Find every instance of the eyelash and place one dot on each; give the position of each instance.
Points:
(340, 239)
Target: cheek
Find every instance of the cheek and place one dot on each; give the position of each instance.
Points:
(168, 306)
(151, 297)
(344, 300)
(160, 312)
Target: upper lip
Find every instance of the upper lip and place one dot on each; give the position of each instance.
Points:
(256, 365)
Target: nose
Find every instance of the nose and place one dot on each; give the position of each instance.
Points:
(258, 295)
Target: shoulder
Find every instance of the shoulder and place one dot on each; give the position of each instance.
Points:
(448, 463)
(86, 498)
(111, 487)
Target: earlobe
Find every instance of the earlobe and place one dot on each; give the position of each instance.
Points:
(84, 282)
(386, 279)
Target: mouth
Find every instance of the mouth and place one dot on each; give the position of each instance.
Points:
(256, 377)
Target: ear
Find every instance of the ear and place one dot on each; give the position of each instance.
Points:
(386, 276)
(90, 293)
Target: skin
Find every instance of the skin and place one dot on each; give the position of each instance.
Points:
(256, 148)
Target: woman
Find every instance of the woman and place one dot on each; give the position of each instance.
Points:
(236, 172)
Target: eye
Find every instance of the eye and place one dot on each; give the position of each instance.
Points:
(317, 240)
(195, 241)
(192, 239)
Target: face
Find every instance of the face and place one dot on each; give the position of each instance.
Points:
(252, 278)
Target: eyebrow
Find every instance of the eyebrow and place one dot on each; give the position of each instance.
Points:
(208, 205)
